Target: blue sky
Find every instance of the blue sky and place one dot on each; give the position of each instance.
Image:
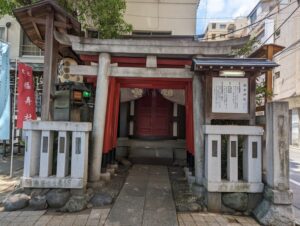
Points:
(222, 9)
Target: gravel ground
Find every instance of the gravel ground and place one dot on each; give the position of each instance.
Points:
(184, 199)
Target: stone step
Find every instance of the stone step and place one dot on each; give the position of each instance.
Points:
(150, 155)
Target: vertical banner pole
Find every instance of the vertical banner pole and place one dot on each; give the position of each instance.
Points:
(13, 121)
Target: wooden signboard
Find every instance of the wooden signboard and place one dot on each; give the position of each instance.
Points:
(230, 95)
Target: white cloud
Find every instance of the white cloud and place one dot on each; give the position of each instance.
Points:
(222, 9)
(215, 6)
(244, 8)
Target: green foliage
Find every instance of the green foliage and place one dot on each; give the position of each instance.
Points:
(246, 49)
(262, 93)
(104, 15)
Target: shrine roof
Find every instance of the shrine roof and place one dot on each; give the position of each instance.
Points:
(33, 20)
(246, 64)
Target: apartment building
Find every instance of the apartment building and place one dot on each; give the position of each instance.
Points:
(262, 24)
(227, 29)
(273, 26)
(162, 17)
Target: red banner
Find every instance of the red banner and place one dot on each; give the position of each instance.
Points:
(26, 98)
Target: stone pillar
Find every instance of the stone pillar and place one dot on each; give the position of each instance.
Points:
(80, 143)
(252, 172)
(198, 110)
(276, 208)
(277, 147)
(62, 169)
(32, 153)
(99, 117)
(46, 153)
(232, 158)
(298, 140)
(213, 158)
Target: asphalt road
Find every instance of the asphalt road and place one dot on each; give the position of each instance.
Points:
(295, 179)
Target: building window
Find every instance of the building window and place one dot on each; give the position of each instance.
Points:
(92, 33)
(28, 48)
(277, 33)
(222, 36)
(222, 26)
(213, 36)
(2, 33)
(253, 17)
(213, 25)
(277, 75)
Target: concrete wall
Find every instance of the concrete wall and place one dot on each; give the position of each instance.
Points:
(163, 15)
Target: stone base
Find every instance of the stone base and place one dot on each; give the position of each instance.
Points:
(279, 197)
(53, 182)
(214, 201)
(113, 166)
(239, 186)
(111, 171)
(98, 184)
(191, 179)
(268, 213)
(197, 190)
(105, 176)
(187, 172)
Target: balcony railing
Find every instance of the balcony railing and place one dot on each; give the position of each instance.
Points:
(31, 50)
(56, 154)
(251, 137)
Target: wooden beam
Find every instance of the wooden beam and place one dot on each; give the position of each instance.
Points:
(35, 26)
(50, 66)
(42, 21)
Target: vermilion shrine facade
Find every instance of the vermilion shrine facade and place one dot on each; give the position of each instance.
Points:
(149, 91)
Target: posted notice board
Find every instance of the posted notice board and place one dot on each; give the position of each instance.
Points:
(230, 95)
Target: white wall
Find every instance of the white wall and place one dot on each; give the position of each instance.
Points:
(163, 15)
(288, 84)
(13, 35)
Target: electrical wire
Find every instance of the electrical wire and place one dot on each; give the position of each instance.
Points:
(281, 25)
(250, 25)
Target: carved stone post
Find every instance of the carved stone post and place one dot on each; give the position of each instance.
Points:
(276, 208)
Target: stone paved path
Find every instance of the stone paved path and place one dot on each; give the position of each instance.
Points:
(145, 199)
(92, 217)
(212, 219)
(98, 217)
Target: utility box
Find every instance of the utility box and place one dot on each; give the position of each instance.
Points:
(71, 102)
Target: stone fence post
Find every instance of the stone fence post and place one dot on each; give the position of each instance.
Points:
(276, 207)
